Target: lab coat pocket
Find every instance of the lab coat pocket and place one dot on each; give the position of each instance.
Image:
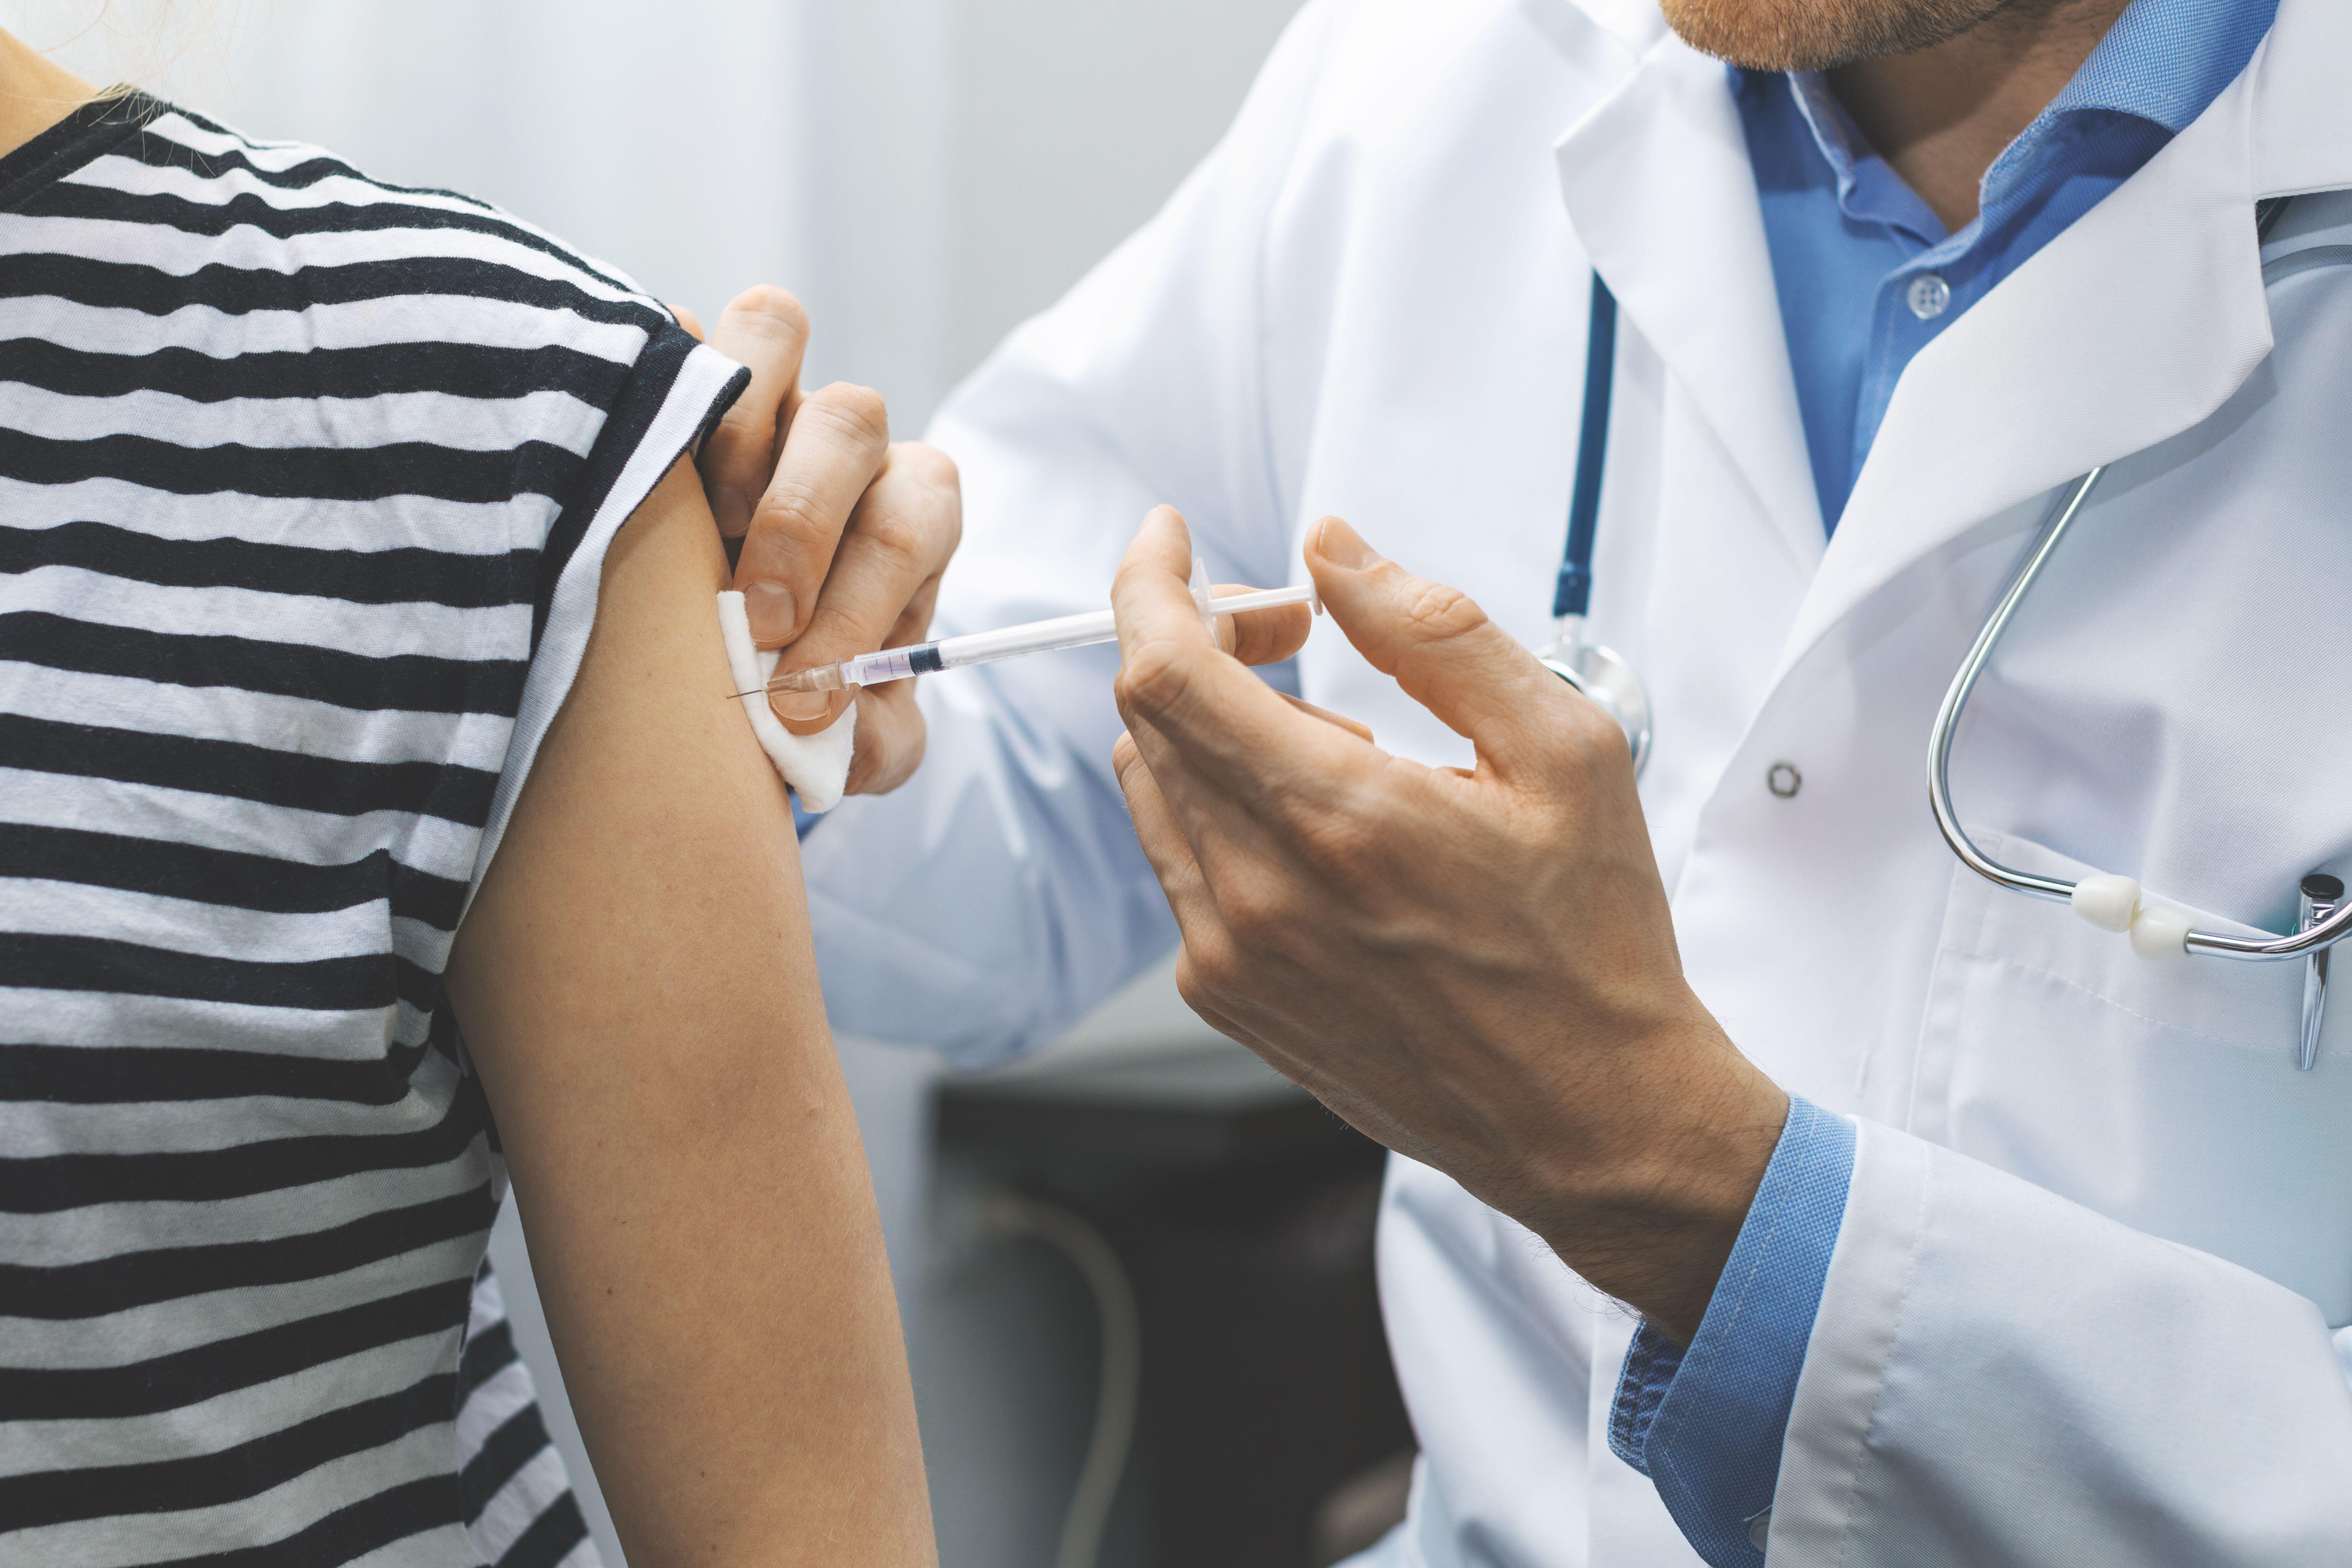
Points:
(2164, 1095)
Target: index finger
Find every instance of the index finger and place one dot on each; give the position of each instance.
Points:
(765, 329)
(1195, 705)
(885, 576)
(838, 442)
(1445, 653)
(1261, 636)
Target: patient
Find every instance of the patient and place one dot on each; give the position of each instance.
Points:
(361, 691)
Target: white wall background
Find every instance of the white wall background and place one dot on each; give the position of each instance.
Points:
(924, 174)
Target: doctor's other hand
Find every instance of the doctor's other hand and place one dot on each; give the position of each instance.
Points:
(839, 534)
(1477, 969)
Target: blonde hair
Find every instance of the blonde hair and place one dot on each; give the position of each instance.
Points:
(128, 43)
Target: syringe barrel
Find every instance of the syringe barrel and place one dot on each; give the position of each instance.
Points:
(890, 664)
(1037, 636)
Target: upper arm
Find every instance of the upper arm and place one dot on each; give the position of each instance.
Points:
(636, 990)
(649, 785)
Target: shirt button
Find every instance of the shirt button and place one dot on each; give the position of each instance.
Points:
(1760, 1529)
(1930, 296)
(1783, 780)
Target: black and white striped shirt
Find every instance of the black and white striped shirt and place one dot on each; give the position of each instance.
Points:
(305, 481)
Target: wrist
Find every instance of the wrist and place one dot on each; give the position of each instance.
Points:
(1653, 1221)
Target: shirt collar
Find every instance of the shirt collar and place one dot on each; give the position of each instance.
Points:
(1868, 186)
(2163, 61)
(2166, 60)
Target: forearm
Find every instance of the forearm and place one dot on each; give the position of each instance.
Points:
(638, 992)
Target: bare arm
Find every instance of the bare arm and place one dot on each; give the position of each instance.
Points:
(636, 988)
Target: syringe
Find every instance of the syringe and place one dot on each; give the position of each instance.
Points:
(1037, 636)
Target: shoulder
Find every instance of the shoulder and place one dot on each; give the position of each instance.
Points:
(194, 237)
(1382, 67)
(1401, 110)
(263, 319)
(243, 203)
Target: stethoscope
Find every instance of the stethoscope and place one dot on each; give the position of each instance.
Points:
(2107, 900)
(1599, 673)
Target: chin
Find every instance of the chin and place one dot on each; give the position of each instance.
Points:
(1820, 34)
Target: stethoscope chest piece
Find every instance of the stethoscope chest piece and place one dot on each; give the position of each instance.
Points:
(1601, 674)
(1609, 682)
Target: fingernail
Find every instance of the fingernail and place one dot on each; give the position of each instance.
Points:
(732, 508)
(1345, 548)
(799, 707)
(770, 607)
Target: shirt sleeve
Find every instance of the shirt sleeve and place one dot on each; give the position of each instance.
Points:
(1706, 1423)
(675, 391)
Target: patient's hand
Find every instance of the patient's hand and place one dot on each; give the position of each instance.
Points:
(844, 532)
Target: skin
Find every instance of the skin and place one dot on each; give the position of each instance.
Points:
(1939, 87)
(637, 987)
(1478, 968)
(1418, 946)
(840, 534)
(35, 92)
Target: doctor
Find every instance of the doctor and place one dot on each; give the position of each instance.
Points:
(1960, 1233)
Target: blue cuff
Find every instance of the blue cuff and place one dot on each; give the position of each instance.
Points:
(1707, 1423)
(803, 820)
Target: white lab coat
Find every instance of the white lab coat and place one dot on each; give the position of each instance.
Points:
(2100, 1230)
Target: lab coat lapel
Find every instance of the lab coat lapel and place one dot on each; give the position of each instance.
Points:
(2302, 119)
(2132, 326)
(1663, 198)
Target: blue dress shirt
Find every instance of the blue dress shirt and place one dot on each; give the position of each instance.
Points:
(1867, 276)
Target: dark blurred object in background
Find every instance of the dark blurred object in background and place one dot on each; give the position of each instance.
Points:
(1270, 1429)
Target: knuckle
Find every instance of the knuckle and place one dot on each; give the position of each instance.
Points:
(1339, 845)
(1257, 916)
(929, 466)
(1437, 613)
(1210, 970)
(1196, 987)
(899, 760)
(739, 424)
(921, 493)
(1588, 736)
(766, 309)
(1135, 781)
(857, 411)
(793, 512)
(1124, 754)
(899, 538)
(1154, 679)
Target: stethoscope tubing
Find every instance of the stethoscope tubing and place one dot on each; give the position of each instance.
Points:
(2336, 928)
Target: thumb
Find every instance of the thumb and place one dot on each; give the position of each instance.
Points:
(1438, 645)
